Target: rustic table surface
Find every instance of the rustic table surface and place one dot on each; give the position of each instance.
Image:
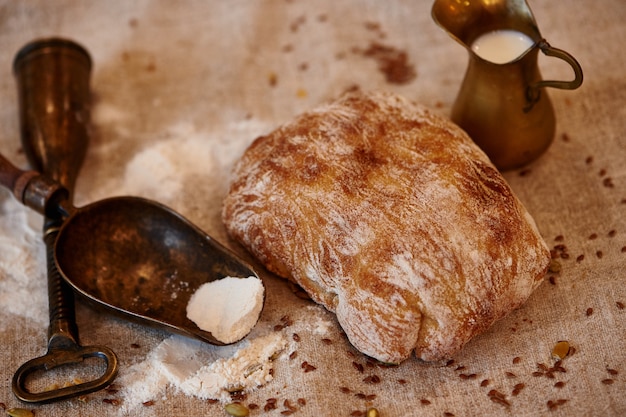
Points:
(181, 88)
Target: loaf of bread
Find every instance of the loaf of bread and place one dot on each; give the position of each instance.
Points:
(391, 217)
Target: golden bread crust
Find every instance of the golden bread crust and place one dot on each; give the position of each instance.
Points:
(391, 217)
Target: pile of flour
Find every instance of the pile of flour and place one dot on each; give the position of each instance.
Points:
(201, 370)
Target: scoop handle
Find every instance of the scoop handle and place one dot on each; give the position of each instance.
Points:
(34, 190)
(52, 77)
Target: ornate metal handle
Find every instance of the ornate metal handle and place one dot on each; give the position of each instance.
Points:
(534, 90)
(63, 347)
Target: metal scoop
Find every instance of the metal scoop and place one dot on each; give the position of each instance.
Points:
(132, 256)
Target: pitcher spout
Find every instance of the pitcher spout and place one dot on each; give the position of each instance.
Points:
(466, 20)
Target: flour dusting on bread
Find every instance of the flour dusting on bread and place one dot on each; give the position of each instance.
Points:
(390, 216)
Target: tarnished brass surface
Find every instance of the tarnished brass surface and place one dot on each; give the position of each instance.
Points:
(53, 89)
(140, 259)
(503, 107)
(132, 256)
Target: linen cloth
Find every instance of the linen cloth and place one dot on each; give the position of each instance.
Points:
(225, 72)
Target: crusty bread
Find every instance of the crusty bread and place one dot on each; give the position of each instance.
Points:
(391, 217)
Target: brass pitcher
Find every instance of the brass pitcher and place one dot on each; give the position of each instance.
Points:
(502, 106)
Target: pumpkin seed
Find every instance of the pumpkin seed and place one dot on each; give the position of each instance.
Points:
(20, 412)
(561, 350)
(372, 412)
(237, 410)
(555, 266)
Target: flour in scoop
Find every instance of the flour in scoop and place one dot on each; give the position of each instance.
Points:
(228, 307)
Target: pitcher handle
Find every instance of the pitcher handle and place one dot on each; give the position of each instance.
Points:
(534, 89)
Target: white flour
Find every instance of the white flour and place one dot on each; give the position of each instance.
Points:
(228, 307)
(168, 171)
(200, 370)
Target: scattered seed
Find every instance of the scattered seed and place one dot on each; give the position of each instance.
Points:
(287, 404)
(516, 360)
(372, 412)
(307, 367)
(599, 254)
(510, 374)
(20, 412)
(270, 404)
(301, 402)
(593, 236)
(559, 238)
(359, 367)
(608, 381)
(425, 401)
(589, 160)
(372, 379)
(327, 341)
(111, 401)
(580, 258)
(554, 404)
(484, 383)
(448, 414)
(295, 337)
(565, 137)
(559, 384)
(561, 350)
(402, 381)
(345, 390)
(357, 413)
(612, 371)
(619, 305)
(497, 397)
(612, 233)
(552, 280)
(237, 410)
(253, 406)
(287, 412)
(589, 311)
(555, 267)
(148, 403)
(293, 354)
